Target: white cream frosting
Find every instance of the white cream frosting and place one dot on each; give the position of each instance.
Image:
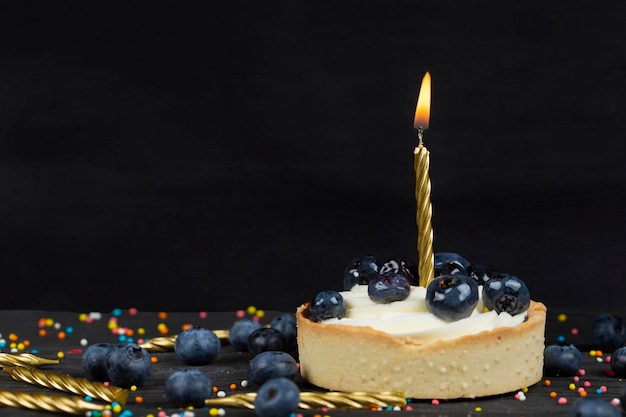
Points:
(411, 318)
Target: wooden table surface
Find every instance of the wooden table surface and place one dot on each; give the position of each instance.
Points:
(232, 367)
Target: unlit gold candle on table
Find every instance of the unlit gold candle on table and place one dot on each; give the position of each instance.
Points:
(312, 400)
(24, 359)
(68, 383)
(54, 403)
(166, 343)
(426, 268)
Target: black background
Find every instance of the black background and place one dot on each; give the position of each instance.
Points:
(200, 156)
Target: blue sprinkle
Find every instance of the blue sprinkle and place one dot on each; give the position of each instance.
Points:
(88, 398)
(561, 339)
(122, 338)
(117, 312)
(34, 351)
(598, 391)
(69, 330)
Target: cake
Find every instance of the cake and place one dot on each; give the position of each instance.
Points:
(374, 348)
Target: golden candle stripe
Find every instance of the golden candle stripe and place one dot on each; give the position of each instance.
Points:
(68, 383)
(55, 403)
(424, 216)
(166, 343)
(314, 400)
(25, 359)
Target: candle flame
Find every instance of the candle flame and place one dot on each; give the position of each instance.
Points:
(422, 110)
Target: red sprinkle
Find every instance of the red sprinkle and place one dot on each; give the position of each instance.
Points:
(562, 401)
(435, 402)
(609, 372)
(75, 351)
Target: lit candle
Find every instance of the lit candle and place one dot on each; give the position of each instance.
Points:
(422, 188)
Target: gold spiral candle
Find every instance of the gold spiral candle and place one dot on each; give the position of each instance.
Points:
(24, 359)
(166, 343)
(54, 403)
(421, 161)
(313, 400)
(68, 383)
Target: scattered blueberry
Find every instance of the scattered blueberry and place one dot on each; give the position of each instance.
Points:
(506, 293)
(360, 271)
(403, 266)
(608, 332)
(278, 397)
(95, 360)
(618, 362)
(272, 364)
(562, 360)
(448, 263)
(188, 387)
(389, 287)
(481, 273)
(594, 407)
(328, 305)
(286, 324)
(239, 332)
(197, 346)
(452, 297)
(264, 339)
(129, 364)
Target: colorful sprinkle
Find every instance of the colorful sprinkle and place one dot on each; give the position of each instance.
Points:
(562, 317)
(562, 401)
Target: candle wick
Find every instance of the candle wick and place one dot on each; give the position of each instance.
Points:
(420, 136)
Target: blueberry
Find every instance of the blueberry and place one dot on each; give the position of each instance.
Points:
(448, 263)
(278, 397)
(594, 407)
(481, 273)
(562, 360)
(389, 287)
(608, 332)
(452, 297)
(403, 266)
(188, 387)
(95, 360)
(239, 332)
(129, 364)
(506, 293)
(328, 305)
(286, 324)
(272, 364)
(264, 339)
(197, 346)
(360, 271)
(618, 362)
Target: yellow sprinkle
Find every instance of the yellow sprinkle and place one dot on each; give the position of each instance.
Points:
(592, 353)
(562, 317)
(112, 325)
(133, 388)
(82, 317)
(478, 409)
(117, 408)
(20, 346)
(13, 345)
(571, 386)
(525, 390)
(251, 310)
(214, 412)
(141, 331)
(260, 313)
(60, 355)
(49, 322)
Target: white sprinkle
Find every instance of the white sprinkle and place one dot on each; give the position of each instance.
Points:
(14, 350)
(599, 360)
(221, 394)
(221, 412)
(521, 396)
(57, 325)
(95, 315)
(244, 383)
(84, 342)
(397, 408)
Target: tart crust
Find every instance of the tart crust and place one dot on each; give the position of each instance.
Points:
(359, 358)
